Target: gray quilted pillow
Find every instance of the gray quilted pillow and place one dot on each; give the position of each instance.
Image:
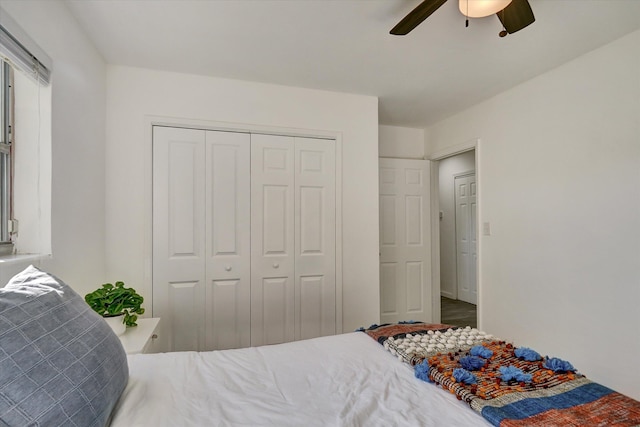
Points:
(60, 363)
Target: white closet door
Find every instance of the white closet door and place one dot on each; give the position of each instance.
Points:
(244, 244)
(228, 240)
(315, 223)
(272, 239)
(178, 238)
(405, 273)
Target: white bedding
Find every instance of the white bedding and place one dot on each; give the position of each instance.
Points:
(342, 380)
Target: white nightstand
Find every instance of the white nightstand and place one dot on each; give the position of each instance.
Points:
(138, 339)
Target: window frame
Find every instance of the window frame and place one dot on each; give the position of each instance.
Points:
(17, 190)
(6, 155)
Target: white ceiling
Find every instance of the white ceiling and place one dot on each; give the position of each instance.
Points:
(344, 45)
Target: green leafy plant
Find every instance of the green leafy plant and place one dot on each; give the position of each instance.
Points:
(110, 300)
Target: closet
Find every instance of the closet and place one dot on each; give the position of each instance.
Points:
(244, 238)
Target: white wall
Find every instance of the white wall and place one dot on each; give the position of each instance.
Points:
(447, 169)
(559, 166)
(135, 94)
(78, 135)
(401, 142)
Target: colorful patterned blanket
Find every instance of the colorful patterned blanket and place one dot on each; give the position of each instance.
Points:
(507, 385)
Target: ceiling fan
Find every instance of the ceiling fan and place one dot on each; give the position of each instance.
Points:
(513, 14)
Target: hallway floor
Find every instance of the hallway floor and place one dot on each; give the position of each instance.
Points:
(458, 313)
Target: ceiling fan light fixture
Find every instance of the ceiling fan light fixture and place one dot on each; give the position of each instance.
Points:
(481, 8)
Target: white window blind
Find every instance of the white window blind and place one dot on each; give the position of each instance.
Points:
(24, 62)
(21, 57)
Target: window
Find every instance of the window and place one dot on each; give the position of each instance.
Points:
(6, 161)
(25, 143)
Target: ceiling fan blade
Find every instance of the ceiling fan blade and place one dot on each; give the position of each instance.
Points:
(516, 16)
(416, 16)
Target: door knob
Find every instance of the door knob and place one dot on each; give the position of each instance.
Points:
(228, 268)
(276, 265)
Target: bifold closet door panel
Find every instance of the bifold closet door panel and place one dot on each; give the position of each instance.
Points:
(272, 239)
(228, 241)
(178, 235)
(315, 238)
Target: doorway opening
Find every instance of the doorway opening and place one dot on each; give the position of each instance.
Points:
(457, 220)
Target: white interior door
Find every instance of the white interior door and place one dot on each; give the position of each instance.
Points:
(405, 247)
(227, 322)
(466, 237)
(315, 238)
(272, 239)
(178, 237)
(244, 238)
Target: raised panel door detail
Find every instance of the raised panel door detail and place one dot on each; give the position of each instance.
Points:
(183, 206)
(387, 176)
(415, 286)
(311, 161)
(276, 220)
(277, 310)
(312, 224)
(227, 318)
(183, 298)
(275, 160)
(228, 203)
(311, 307)
(388, 231)
(462, 188)
(413, 221)
(224, 196)
(413, 177)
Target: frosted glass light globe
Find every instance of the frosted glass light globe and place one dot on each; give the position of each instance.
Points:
(481, 8)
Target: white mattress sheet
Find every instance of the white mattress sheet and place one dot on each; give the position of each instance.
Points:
(342, 380)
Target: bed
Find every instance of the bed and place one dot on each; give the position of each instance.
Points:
(61, 365)
(342, 380)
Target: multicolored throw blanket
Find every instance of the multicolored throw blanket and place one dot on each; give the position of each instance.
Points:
(508, 386)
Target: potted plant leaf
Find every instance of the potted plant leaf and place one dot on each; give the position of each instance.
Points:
(120, 306)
